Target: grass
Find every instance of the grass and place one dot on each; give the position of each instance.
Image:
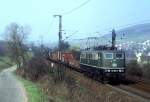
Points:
(5, 62)
(34, 92)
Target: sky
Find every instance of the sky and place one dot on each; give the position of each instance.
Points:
(95, 18)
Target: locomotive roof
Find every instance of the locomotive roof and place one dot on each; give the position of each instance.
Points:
(85, 51)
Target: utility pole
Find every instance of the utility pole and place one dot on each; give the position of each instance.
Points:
(41, 45)
(60, 45)
(113, 39)
(60, 35)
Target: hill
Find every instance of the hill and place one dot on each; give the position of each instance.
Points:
(136, 33)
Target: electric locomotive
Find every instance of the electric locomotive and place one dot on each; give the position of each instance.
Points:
(103, 62)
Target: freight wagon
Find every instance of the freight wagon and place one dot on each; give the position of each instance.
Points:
(67, 58)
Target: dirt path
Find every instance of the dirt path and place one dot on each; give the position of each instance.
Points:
(11, 90)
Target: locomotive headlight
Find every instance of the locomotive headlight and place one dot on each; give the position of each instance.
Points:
(120, 70)
(115, 70)
(107, 70)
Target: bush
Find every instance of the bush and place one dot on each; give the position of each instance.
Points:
(146, 70)
(35, 68)
(133, 68)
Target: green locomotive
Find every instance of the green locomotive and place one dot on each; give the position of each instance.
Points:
(104, 62)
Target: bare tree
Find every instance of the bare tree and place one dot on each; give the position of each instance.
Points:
(16, 36)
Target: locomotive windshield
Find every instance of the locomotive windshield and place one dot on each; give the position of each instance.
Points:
(108, 55)
(119, 56)
(114, 55)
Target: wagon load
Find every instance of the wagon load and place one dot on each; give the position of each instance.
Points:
(69, 58)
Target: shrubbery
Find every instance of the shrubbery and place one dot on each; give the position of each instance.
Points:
(34, 68)
(133, 68)
(146, 70)
(136, 69)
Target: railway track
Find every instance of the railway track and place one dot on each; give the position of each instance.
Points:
(141, 86)
(143, 96)
(138, 90)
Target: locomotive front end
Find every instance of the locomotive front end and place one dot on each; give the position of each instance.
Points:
(114, 65)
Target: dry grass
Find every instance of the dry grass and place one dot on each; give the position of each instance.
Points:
(77, 88)
(97, 92)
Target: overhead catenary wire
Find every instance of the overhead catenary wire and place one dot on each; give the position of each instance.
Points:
(76, 8)
(68, 37)
(117, 27)
(50, 26)
(51, 23)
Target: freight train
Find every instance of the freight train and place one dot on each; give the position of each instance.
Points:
(102, 62)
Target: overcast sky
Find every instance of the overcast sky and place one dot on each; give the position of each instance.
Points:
(96, 16)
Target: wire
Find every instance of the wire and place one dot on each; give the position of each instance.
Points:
(51, 23)
(70, 35)
(76, 8)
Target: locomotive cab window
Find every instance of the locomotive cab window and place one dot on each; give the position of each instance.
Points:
(119, 56)
(108, 55)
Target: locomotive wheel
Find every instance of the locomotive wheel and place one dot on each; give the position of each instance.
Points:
(104, 79)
